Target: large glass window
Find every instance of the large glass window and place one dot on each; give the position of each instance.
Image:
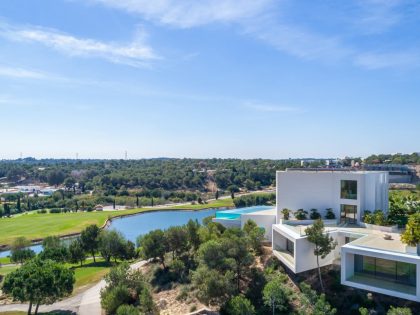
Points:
(290, 247)
(348, 214)
(385, 270)
(349, 189)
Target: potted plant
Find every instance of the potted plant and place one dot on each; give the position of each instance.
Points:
(314, 214)
(286, 213)
(411, 235)
(330, 214)
(301, 214)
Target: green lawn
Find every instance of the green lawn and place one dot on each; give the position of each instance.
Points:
(5, 260)
(89, 273)
(6, 270)
(36, 226)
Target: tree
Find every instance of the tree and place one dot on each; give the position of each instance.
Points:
(275, 295)
(192, 234)
(90, 239)
(324, 244)
(69, 183)
(314, 304)
(55, 177)
(233, 189)
(18, 205)
(51, 242)
(177, 240)
(111, 244)
(76, 252)
(255, 235)
(213, 286)
(411, 235)
(58, 254)
(237, 250)
(239, 305)
(399, 311)
(20, 251)
(6, 208)
(153, 245)
(39, 282)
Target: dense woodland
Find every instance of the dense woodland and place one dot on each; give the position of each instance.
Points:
(85, 184)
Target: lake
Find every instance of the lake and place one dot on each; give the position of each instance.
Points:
(133, 226)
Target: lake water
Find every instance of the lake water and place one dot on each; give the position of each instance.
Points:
(133, 226)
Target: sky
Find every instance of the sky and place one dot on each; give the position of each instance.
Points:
(209, 78)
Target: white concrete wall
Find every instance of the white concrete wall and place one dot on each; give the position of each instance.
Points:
(347, 269)
(265, 221)
(228, 223)
(321, 190)
(305, 257)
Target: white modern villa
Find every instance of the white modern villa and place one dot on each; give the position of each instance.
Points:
(371, 257)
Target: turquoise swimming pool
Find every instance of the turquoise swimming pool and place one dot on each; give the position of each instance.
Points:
(236, 213)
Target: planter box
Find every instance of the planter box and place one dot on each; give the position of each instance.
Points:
(307, 222)
(388, 229)
(411, 250)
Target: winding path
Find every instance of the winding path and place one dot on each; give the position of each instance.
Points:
(84, 303)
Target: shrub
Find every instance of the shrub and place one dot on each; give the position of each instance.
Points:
(315, 214)
(127, 310)
(399, 311)
(330, 214)
(42, 211)
(411, 235)
(239, 305)
(113, 298)
(379, 217)
(55, 210)
(254, 200)
(193, 308)
(286, 213)
(368, 217)
(301, 214)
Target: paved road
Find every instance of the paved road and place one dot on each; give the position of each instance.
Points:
(85, 303)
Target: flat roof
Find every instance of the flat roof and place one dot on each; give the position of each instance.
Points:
(366, 238)
(331, 170)
(272, 211)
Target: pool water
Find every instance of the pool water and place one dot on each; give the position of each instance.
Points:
(236, 213)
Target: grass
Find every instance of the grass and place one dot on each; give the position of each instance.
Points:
(90, 272)
(37, 226)
(5, 260)
(6, 270)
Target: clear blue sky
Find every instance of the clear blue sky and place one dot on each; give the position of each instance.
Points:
(209, 78)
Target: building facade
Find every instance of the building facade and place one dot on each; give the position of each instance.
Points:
(371, 258)
(347, 193)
